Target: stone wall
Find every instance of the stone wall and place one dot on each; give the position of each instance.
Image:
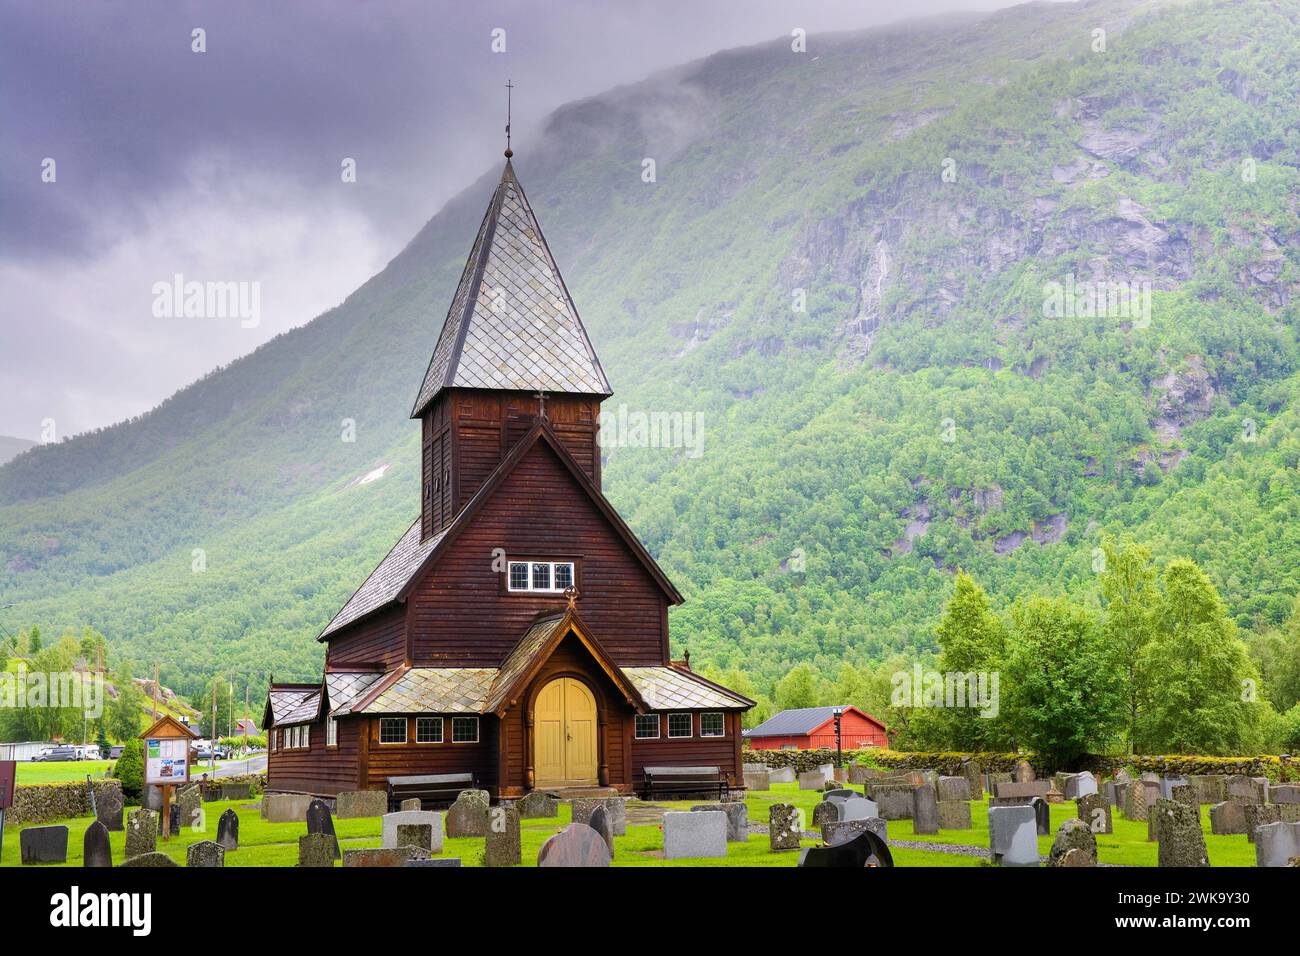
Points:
(46, 802)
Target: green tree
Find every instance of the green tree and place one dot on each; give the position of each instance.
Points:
(1130, 594)
(972, 640)
(130, 767)
(124, 715)
(798, 688)
(1060, 688)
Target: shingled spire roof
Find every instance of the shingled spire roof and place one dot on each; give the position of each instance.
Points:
(512, 324)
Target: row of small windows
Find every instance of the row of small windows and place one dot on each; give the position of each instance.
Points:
(548, 576)
(292, 738)
(679, 725)
(428, 730)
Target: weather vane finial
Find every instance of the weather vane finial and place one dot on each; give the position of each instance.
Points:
(509, 91)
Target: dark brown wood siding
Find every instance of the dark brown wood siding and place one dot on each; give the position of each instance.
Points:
(410, 758)
(319, 769)
(693, 751)
(461, 613)
(378, 641)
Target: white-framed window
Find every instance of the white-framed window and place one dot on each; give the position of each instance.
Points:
(464, 730)
(392, 730)
(331, 732)
(428, 730)
(647, 726)
(547, 577)
(275, 735)
(679, 725)
(304, 739)
(712, 725)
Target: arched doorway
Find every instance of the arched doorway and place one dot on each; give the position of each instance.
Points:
(566, 738)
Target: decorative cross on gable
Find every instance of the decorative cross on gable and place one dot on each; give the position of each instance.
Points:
(541, 405)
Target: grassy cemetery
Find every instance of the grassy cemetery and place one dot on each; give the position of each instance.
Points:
(925, 820)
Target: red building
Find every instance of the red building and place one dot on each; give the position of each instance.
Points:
(810, 728)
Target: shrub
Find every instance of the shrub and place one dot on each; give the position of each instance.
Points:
(129, 768)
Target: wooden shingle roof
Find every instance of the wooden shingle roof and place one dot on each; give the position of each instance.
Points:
(671, 688)
(512, 324)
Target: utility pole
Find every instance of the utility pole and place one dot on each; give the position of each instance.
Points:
(155, 690)
(212, 749)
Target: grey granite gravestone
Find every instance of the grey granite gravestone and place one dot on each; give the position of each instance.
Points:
(503, 844)
(834, 833)
(228, 830)
(468, 816)
(1073, 835)
(439, 861)
(151, 860)
(1276, 843)
(382, 858)
(1136, 801)
(954, 815)
(1210, 787)
(415, 803)
(1258, 815)
(1013, 836)
(781, 775)
(971, 771)
(1024, 772)
(600, 822)
(783, 827)
(1185, 793)
(694, 835)
(95, 848)
(44, 844)
(351, 804)
(894, 801)
(141, 832)
(858, 808)
(1283, 793)
(319, 820)
(1021, 789)
(1246, 789)
(575, 845)
(925, 810)
(418, 835)
(285, 807)
(109, 806)
(827, 770)
(1178, 828)
(842, 793)
(538, 805)
(758, 780)
(236, 791)
(812, 780)
(753, 767)
(151, 799)
(616, 807)
(1227, 818)
(189, 808)
(737, 819)
(316, 850)
(828, 811)
(1080, 785)
(1094, 810)
(1168, 782)
(206, 854)
(954, 788)
(389, 838)
(581, 808)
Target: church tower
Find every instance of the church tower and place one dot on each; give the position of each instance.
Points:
(511, 350)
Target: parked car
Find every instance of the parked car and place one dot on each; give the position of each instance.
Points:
(205, 752)
(57, 754)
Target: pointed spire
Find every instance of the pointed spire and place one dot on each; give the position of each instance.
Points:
(512, 324)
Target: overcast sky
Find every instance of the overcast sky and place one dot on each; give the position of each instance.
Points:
(225, 165)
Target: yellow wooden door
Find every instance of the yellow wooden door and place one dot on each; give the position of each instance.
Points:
(565, 734)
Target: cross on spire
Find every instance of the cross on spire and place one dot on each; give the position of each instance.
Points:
(509, 91)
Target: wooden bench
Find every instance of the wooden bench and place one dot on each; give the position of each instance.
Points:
(670, 780)
(430, 788)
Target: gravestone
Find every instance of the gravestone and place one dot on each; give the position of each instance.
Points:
(600, 822)
(827, 770)
(153, 859)
(1013, 836)
(971, 771)
(996, 777)
(1076, 857)
(1283, 793)
(575, 845)
(228, 830)
(858, 774)
(581, 808)
(384, 858)
(1135, 801)
(1178, 828)
(189, 807)
(319, 820)
(415, 803)
(859, 808)
(1210, 788)
(151, 799)
(925, 810)
(895, 802)
(1168, 782)
(316, 850)
(390, 839)
(109, 805)
(1185, 793)
(1094, 811)
(95, 848)
(503, 847)
(438, 861)
(468, 816)
(783, 828)
(758, 780)
(828, 811)
(418, 835)
(285, 807)
(839, 793)
(737, 819)
(781, 775)
(834, 833)
(538, 805)
(689, 836)
(1258, 815)
(1018, 790)
(1114, 793)
(863, 850)
(1073, 835)
(44, 844)
(1024, 772)
(141, 832)
(360, 803)
(1227, 818)
(1080, 785)
(616, 807)
(1042, 816)
(236, 791)
(753, 768)
(206, 854)
(1247, 789)
(1277, 843)
(812, 780)
(953, 788)
(954, 815)
(1123, 776)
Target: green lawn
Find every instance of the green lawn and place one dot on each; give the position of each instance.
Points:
(67, 770)
(276, 844)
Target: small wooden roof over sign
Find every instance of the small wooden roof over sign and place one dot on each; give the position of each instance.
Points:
(168, 726)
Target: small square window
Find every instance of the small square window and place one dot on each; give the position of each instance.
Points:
(679, 725)
(428, 730)
(541, 577)
(647, 726)
(563, 576)
(464, 730)
(518, 576)
(392, 730)
(712, 725)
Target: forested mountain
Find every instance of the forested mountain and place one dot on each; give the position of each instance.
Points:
(848, 263)
(9, 447)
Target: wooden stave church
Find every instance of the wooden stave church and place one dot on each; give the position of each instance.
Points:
(525, 688)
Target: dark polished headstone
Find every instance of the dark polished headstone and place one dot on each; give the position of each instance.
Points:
(600, 822)
(109, 807)
(864, 850)
(95, 848)
(320, 820)
(228, 830)
(44, 844)
(1042, 816)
